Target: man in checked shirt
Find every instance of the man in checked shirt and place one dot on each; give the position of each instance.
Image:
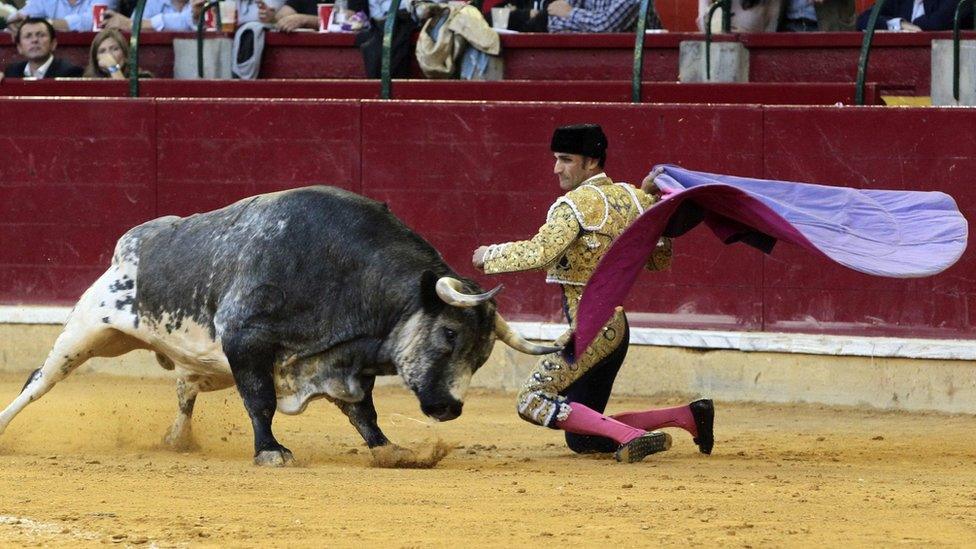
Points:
(596, 16)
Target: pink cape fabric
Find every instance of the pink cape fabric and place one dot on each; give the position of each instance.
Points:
(883, 233)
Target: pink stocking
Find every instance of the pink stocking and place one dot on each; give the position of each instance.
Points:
(651, 420)
(586, 421)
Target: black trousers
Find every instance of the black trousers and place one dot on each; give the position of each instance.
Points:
(370, 44)
(593, 391)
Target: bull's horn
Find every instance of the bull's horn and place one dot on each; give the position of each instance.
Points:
(519, 343)
(449, 290)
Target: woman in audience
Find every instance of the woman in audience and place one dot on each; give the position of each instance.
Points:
(109, 56)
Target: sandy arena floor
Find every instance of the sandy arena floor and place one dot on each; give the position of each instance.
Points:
(81, 467)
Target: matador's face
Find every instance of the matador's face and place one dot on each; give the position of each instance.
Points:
(573, 169)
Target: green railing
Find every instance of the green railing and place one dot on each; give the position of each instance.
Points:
(211, 4)
(134, 48)
(955, 50)
(386, 84)
(726, 7)
(862, 64)
(646, 6)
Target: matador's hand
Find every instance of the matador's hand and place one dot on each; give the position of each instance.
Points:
(478, 259)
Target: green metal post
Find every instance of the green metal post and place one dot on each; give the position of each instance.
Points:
(955, 50)
(646, 6)
(726, 16)
(708, 34)
(134, 48)
(862, 64)
(386, 91)
(203, 14)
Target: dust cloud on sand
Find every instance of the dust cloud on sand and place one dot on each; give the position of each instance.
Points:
(422, 456)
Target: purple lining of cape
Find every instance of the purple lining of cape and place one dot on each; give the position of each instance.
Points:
(884, 233)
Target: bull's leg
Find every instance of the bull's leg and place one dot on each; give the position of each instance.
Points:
(80, 340)
(251, 360)
(180, 434)
(362, 415)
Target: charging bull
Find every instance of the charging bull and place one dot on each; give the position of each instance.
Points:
(290, 296)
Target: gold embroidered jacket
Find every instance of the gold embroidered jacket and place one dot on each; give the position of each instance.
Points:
(579, 228)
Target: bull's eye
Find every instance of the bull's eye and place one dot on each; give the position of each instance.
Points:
(450, 335)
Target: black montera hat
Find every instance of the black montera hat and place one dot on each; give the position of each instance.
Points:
(585, 139)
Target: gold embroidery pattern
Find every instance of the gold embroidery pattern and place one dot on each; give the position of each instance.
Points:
(580, 227)
(609, 208)
(539, 401)
(560, 230)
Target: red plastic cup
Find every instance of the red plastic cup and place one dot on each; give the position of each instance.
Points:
(325, 14)
(98, 16)
(209, 20)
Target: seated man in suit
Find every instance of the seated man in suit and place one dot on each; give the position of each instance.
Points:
(917, 15)
(36, 41)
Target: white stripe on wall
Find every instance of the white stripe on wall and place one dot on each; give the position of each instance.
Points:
(836, 345)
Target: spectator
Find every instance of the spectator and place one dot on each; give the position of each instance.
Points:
(596, 16)
(370, 39)
(835, 15)
(256, 10)
(109, 56)
(64, 15)
(36, 40)
(297, 14)
(524, 15)
(158, 15)
(799, 16)
(818, 15)
(747, 15)
(917, 15)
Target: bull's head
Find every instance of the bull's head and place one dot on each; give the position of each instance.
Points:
(440, 346)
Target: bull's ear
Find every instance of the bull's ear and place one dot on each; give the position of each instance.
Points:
(431, 302)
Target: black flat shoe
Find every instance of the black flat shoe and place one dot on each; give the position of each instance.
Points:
(704, 413)
(649, 443)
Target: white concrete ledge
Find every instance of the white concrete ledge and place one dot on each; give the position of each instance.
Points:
(814, 344)
(833, 345)
(24, 314)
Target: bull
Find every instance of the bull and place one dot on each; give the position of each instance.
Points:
(289, 296)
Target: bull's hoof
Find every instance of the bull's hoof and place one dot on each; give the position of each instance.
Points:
(274, 458)
(180, 442)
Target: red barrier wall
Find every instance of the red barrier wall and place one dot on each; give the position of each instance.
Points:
(823, 93)
(76, 175)
(464, 174)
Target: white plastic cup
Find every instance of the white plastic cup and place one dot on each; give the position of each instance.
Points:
(228, 15)
(499, 17)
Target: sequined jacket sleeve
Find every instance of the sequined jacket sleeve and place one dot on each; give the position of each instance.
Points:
(660, 260)
(552, 240)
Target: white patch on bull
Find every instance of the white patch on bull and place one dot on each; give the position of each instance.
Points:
(190, 345)
(459, 385)
(408, 339)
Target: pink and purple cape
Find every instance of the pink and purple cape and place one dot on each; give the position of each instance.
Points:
(900, 234)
